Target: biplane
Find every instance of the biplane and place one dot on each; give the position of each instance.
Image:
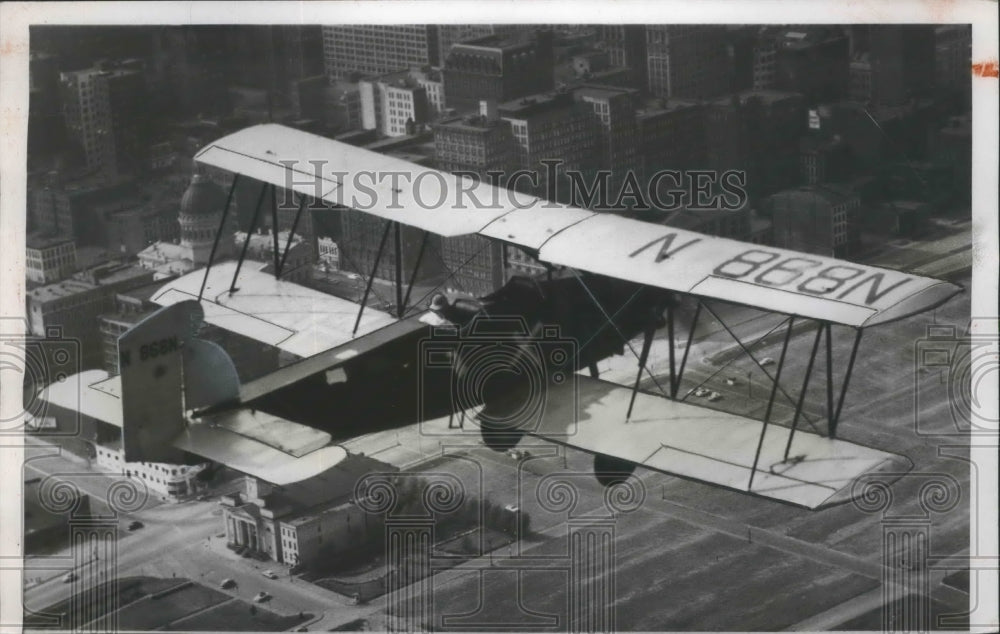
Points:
(610, 280)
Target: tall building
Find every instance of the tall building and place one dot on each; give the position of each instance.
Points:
(687, 61)
(765, 52)
(812, 60)
(272, 58)
(756, 132)
(451, 34)
(46, 131)
(898, 58)
(552, 127)
(671, 136)
(476, 143)
(376, 49)
(74, 306)
(131, 225)
(190, 68)
(626, 47)
(105, 112)
(49, 258)
(497, 68)
(820, 219)
(952, 59)
(432, 81)
(952, 146)
(394, 104)
(479, 144)
(61, 204)
(618, 142)
(342, 106)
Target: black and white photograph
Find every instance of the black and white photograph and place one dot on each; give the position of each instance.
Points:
(499, 316)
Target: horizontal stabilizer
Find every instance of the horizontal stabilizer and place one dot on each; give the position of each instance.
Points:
(253, 457)
(255, 443)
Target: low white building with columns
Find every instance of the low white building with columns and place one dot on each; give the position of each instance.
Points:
(296, 523)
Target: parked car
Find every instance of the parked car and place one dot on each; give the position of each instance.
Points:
(715, 396)
(69, 576)
(512, 508)
(135, 525)
(261, 596)
(767, 361)
(270, 574)
(225, 584)
(700, 392)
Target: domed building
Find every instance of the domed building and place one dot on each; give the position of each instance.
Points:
(201, 210)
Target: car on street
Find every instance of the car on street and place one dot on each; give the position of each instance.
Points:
(69, 576)
(767, 361)
(225, 584)
(701, 392)
(270, 574)
(135, 525)
(715, 396)
(512, 508)
(261, 596)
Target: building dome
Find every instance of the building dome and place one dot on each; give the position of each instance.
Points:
(202, 198)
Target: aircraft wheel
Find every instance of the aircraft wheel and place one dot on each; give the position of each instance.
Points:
(611, 470)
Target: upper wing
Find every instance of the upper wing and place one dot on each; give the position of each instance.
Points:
(773, 279)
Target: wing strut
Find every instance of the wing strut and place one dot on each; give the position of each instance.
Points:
(371, 278)
(687, 348)
(611, 322)
(218, 234)
(413, 275)
(770, 400)
(397, 241)
(291, 234)
(746, 351)
(246, 243)
(805, 388)
(274, 230)
(673, 364)
(647, 343)
(847, 380)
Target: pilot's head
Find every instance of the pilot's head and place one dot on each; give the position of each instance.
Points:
(439, 303)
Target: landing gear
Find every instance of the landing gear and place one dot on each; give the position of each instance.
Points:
(610, 470)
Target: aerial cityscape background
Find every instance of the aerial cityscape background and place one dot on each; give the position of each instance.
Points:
(849, 141)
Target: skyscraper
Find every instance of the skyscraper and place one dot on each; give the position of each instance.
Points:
(618, 143)
(480, 144)
(552, 127)
(897, 58)
(687, 61)
(626, 46)
(376, 49)
(104, 111)
(497, 68)
(812, 60)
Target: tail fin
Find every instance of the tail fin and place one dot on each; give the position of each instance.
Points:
(166, 370)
